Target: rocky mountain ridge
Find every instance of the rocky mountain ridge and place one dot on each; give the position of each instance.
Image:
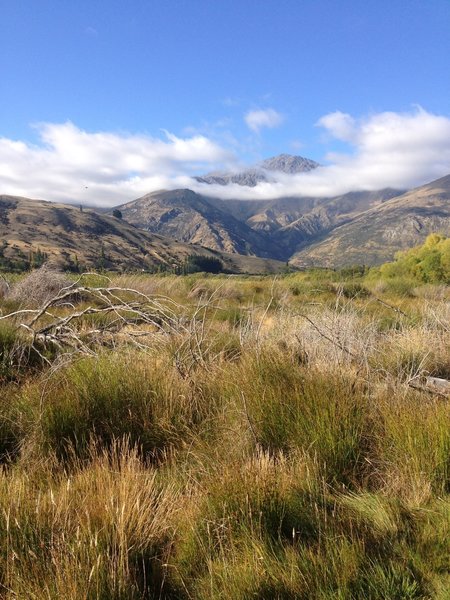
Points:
(273, 228)
(263, 171)
(376, 234)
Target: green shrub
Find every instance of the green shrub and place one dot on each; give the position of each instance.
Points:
(429, 263)
(354, 290)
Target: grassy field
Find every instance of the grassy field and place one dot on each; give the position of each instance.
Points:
(212, 437)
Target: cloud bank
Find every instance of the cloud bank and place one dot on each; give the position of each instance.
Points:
(399, 150)
(102, 169)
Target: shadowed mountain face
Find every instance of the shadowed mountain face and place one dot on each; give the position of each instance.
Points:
(271, 228)
(328, 214)
(264, 171)
(192, 218)
(70, 236)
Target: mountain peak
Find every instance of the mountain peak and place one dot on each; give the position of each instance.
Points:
(288, 163)
(284, 163)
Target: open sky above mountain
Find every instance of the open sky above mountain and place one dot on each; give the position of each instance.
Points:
(101, 103)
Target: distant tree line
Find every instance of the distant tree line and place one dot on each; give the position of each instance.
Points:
(198, 263)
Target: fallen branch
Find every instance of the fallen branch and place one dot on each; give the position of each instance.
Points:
(432, 385)
(327, 337)
(391, 306)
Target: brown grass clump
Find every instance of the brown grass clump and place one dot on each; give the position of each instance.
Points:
(99, 533)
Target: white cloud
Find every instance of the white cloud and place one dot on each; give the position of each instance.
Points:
(339, 125)
(72, 165)
(261, 118)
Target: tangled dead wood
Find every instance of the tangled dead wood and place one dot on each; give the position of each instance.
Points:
(80, 318)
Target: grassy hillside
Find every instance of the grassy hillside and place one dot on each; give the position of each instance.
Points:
(224, 437)
(32, 231)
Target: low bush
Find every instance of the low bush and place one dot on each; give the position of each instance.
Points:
(353, 290)
(39, 286)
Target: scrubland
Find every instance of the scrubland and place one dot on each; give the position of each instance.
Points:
(257, 437)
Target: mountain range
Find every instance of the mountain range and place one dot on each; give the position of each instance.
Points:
(163, 228)
(375, 235)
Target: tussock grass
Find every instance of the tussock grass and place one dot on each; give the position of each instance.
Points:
(415, 447)
(17, 355)
(272, 448)
(100, 532)
(111, 396)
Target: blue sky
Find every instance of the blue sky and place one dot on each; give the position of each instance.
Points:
(253, 77)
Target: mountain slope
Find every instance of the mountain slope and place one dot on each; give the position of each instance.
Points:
(327, 214)
(375, 235)
(291, 223)
(69, 236)
(190, 217)
(270, 228)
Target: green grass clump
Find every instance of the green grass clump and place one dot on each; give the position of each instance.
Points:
(8, 348)
(109, 397)
(415, 446)
(291, 408)
(18, 356)
(270, 529)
